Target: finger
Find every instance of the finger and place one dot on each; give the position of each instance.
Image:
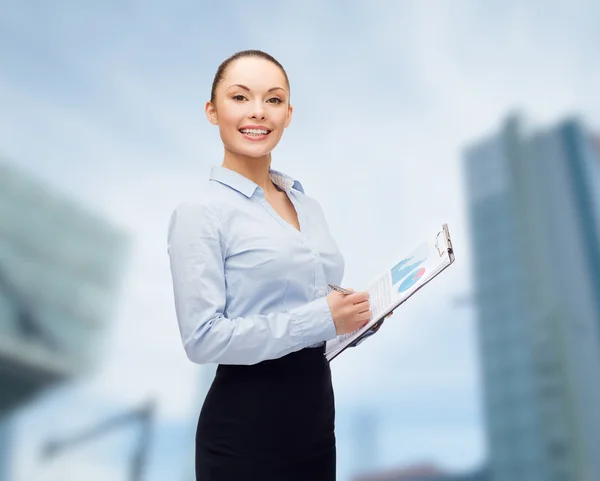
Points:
(361, 323)
(362, 307)
(362, 304)
(357, 297)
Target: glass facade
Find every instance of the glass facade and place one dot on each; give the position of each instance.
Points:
(60, 268)
(536, 272)
(5, 453)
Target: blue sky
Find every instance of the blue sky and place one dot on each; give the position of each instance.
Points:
(105, 102)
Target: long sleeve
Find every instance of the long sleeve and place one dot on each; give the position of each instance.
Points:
(197, 255)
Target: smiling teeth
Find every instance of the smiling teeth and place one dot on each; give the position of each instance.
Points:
(254, 132)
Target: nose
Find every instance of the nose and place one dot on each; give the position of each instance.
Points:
(258, 111)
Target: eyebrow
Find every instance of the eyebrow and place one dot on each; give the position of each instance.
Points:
(248, 90)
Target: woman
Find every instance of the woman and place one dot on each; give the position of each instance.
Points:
(250, 262)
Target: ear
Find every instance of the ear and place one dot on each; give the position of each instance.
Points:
(290, 112)
(211, 113)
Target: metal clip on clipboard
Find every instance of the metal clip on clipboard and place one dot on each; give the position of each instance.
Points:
(447, 242)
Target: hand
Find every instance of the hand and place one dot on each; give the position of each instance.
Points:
(378, 325)
(349, 311)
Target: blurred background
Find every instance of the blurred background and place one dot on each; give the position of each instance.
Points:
(407, 115)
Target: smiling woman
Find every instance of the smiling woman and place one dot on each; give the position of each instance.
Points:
(251, 260)
(250, 102)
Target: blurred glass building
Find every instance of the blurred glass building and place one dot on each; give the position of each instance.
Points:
(60, 267)
(534, 208)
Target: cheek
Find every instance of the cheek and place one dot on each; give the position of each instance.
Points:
(280, 118)
(228, 118)
(228, 123)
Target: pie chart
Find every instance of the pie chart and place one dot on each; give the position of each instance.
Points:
(411, 279)
(401, 269)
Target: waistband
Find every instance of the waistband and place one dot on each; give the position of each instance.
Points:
(309, 358)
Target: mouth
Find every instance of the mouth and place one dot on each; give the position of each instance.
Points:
(255, 133)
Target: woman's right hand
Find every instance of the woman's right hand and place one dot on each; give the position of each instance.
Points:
(349, 311)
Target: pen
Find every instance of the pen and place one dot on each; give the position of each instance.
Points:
(340, 289)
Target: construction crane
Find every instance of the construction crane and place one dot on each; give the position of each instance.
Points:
(143, 415)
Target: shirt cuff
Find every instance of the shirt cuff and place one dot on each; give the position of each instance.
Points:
(313, 321)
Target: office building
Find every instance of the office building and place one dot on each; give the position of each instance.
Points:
(60, 267)
(534, 207)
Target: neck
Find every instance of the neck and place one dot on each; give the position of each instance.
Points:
(254, 168)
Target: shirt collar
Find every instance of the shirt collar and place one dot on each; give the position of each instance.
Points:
(245, 186)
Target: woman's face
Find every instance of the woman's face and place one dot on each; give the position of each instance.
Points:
(251, 107)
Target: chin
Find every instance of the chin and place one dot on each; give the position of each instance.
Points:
(259, 156)
(256, 152)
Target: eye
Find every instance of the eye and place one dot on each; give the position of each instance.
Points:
(275, 100)
(238, 97)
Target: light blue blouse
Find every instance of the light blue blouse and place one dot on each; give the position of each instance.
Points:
(249, 286)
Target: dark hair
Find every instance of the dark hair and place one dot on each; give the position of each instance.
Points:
(244, 53)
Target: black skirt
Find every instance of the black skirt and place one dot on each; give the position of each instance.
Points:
(272, 421)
